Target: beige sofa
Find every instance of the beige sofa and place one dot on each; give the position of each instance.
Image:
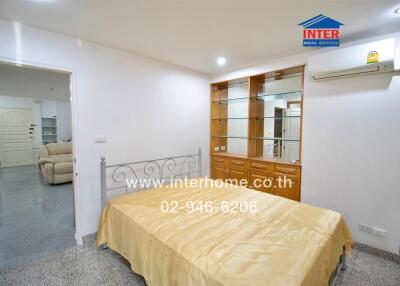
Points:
(55, 162)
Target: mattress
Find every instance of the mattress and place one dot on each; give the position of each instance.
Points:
(272, 241)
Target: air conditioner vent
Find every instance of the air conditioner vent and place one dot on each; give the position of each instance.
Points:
(353, 61)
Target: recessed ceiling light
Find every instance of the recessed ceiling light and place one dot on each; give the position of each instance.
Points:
(221, 61)
(397, 11)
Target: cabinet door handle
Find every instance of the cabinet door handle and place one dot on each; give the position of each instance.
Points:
(255, 165)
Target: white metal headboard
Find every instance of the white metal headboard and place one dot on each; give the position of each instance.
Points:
(114, 177)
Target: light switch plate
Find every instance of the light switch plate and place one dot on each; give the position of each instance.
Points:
(100, 139)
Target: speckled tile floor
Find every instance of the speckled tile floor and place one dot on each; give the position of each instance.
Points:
(88, 265)
(79, 265)
(365, 269)
(36, 219)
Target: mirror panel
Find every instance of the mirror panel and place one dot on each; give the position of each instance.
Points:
(282, 99)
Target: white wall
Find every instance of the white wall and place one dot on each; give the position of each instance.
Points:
(351, 140)
(145, 109)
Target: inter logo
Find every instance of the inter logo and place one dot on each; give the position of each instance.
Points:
(321, 31)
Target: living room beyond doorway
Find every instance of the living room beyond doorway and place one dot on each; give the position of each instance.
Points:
(36, 164)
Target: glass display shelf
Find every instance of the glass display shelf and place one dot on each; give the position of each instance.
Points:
(280, 117)
(278, 94)
(257, 138)
(231, 118)
(227, 100)
(234, 137)
(277, 139)
(257, 118)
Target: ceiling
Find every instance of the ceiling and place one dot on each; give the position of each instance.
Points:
(193, 34)
(32, 82)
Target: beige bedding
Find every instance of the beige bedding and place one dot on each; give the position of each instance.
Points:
(282, 243)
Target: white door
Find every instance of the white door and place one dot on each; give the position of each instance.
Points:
(16, 137)
(291, 132)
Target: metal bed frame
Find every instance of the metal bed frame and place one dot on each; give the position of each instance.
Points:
(163, 169)
(339, 267)
(166, 169)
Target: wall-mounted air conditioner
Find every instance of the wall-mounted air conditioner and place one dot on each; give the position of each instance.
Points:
(364, 59)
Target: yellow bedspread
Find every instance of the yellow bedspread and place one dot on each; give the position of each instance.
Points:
(283, 243)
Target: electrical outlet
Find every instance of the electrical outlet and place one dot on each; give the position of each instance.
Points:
(372, 229)
(216, 149)
(222, 148)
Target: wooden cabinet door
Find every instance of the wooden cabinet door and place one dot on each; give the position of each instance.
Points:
(237, 175)
(218, 173)
(219, 167)
(261, 182)
(289, 184)
(289, 187)
(237, 170)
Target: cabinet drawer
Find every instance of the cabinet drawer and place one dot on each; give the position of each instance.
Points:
(238, 175)
(261, 166)
(257, 183)
(218, 161)
(218, 173)
(286, 169)
(237, 163)
(289, 189)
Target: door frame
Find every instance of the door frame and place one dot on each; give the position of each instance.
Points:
(74, 118)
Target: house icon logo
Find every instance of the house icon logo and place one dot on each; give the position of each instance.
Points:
(321, 31)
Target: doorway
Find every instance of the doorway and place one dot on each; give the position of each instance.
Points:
(37, 216)
(16, 137)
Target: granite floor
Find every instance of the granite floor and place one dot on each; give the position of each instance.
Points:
(88, 265)
(36, 219)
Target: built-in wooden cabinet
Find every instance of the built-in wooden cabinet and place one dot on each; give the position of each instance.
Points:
(227, 167)
(256, 125)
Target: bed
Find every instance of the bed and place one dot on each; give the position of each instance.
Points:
(171, 241)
